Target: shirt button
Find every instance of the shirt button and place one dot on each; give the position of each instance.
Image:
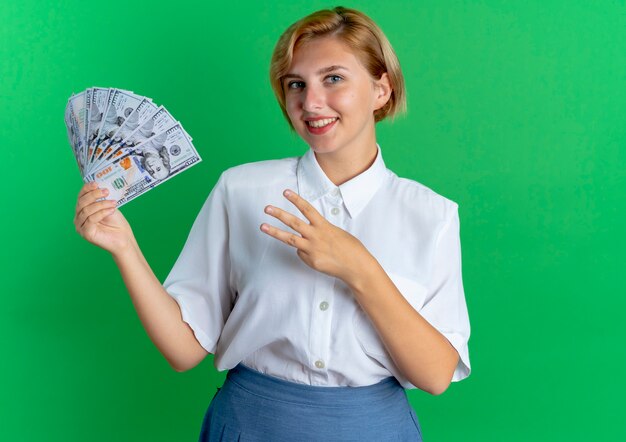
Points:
(324, 306)
(319, 363)
(334, 211)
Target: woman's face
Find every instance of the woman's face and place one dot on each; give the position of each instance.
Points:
(331, 98)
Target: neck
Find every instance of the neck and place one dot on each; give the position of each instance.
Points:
(344, 164)
(339, 170)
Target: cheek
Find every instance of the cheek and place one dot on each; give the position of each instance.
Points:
(292, 113)
(345, 101)
(291, 104)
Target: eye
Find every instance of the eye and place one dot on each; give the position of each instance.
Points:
(334, 79)
(295, 85)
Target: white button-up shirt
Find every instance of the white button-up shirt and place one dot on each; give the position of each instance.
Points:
(249, 298)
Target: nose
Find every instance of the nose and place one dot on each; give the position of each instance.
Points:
(312, 99)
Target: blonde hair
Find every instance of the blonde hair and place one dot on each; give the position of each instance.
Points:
(359, 33)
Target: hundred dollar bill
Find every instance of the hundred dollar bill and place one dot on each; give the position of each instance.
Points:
(147, 165)
(68, 111)
(68, 124)
(88, 99)
(97, 134)
(76, 140)
(121, 105)
(72, 135)
(145, 109)
(95, 111)
(77, 115)
(157, 123)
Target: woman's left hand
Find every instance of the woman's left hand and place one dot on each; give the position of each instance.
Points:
(322, 245)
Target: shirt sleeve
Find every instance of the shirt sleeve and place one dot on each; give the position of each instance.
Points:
(200, 278)
(445, 307)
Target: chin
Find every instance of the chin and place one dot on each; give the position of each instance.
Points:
(321, 144)
(321, 147)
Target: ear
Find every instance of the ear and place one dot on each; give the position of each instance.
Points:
(383, 91)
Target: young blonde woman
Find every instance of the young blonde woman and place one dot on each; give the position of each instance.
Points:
(325, 284)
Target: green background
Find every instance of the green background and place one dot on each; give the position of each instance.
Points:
(516, 112)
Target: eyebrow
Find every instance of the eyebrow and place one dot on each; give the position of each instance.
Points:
(325, 70)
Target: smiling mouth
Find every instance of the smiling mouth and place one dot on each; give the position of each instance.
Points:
(321, 123)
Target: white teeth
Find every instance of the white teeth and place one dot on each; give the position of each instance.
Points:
(321, 123)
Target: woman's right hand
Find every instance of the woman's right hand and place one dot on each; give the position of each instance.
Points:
(99, 222)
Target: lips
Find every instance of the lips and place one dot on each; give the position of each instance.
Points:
(320, 126)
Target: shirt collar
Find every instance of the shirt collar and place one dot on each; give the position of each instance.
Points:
(356, 192)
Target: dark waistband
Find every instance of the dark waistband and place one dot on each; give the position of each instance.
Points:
(275, 388)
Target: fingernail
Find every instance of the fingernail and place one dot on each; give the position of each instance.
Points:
(287, 193)
(269, 210)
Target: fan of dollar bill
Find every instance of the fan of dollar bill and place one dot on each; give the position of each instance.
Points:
(126, 142)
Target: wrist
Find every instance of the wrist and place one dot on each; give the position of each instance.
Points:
(126, 251)
(364, 266)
